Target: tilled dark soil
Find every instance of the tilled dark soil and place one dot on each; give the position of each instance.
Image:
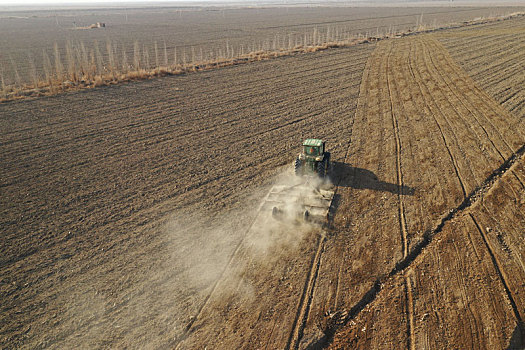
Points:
(121, 204)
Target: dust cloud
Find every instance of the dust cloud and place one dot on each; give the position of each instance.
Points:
(215, 252)
(154, 297)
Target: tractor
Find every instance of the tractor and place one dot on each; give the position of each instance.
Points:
(313, 160)
(305, 199)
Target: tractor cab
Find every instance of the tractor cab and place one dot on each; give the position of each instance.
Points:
(313, 148)
(313, 160)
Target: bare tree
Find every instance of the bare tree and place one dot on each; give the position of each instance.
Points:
(111, 58)
(165, 55)
(32, 70)
(71, 67)
(156, 55)
(136, 55)
(48, 70)
(18, 81)
(124, 61)
(2, 81)
(59, 68)
(99, 59)
(84, 59)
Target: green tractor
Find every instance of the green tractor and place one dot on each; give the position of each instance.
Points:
(313, 160)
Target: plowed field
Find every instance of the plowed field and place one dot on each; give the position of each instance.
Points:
(493, 56)
(110, 198)
(126, 209)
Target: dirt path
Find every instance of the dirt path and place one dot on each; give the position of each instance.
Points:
(455, 293)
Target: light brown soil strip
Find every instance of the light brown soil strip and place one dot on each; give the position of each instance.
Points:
(401, 209)
(476, 190)
(501, 272)
(404, 264)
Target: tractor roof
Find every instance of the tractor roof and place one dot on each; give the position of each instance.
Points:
(313, 142)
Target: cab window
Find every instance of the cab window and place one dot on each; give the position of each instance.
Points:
(311, 151)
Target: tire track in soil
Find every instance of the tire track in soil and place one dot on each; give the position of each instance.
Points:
(411, 344)
(306, 299)
(412, 67)
(303, 308)
(399, 173)
(501, 274)
(405, 264)
(401, 204)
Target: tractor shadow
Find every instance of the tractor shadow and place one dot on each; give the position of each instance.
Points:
(345, 175)
(517, 341)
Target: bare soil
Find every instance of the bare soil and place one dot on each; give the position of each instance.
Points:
(117, 198)
(449, 280)
(126, 210)
(502, 76)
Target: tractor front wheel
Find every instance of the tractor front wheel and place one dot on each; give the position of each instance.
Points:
(298, 167)
(321, 168)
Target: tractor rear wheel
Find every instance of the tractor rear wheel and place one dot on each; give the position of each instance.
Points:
(306, 216)
(298, 167)
(328, 163)
(321, 168)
